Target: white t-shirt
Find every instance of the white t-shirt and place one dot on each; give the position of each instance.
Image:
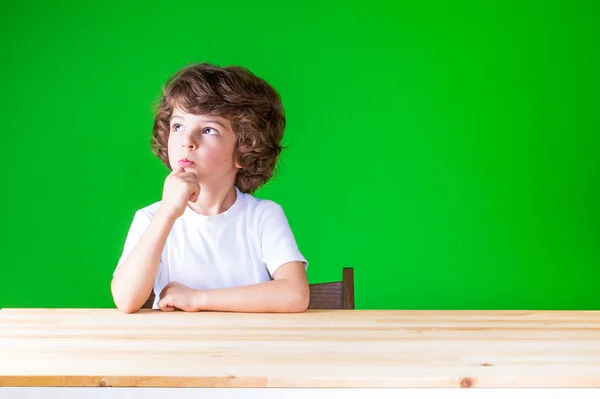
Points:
(243, 245)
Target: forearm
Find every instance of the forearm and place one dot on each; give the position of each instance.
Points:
(277, 296)
(132, 284)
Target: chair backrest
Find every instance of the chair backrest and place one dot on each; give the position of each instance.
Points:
(332, 295)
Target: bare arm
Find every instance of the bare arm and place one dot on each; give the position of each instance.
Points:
(133, 281)
(287, 293)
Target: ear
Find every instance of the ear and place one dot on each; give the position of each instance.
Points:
(235, 161)
(235, 158)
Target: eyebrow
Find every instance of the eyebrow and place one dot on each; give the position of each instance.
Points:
(206, 121)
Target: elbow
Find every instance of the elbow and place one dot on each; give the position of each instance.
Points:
(125, 303)
(300, 303)
(127, 308)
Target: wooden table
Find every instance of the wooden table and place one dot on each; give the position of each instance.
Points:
(316, 349)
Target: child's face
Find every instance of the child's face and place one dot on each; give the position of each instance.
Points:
(206, 140)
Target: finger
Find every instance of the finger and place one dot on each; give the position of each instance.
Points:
(166, 304)
(164, 290)
(195, 192)
(177, 170)
(189, 177)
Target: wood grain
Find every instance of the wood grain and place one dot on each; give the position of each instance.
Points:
(319, 348)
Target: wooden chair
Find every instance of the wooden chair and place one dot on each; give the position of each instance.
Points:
(332, 295)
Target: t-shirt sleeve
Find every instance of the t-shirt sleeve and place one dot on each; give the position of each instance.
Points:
(277, 240)
(140, 223)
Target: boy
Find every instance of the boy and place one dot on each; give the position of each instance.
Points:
(209, 244)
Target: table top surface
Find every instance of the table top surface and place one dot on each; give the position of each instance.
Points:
(329, 348)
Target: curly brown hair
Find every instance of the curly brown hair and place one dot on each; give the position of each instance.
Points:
(253, 107)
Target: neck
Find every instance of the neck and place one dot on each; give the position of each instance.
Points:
(213, 200)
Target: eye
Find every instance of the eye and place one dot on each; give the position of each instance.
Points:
(175, 126)
(208, 129)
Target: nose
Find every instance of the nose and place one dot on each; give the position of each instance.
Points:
(189, 145)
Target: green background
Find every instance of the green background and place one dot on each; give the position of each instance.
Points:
(448, 151)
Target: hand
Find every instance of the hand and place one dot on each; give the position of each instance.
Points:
(178, 296)
(180, 187)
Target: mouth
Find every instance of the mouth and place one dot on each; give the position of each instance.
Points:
(186, 163)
